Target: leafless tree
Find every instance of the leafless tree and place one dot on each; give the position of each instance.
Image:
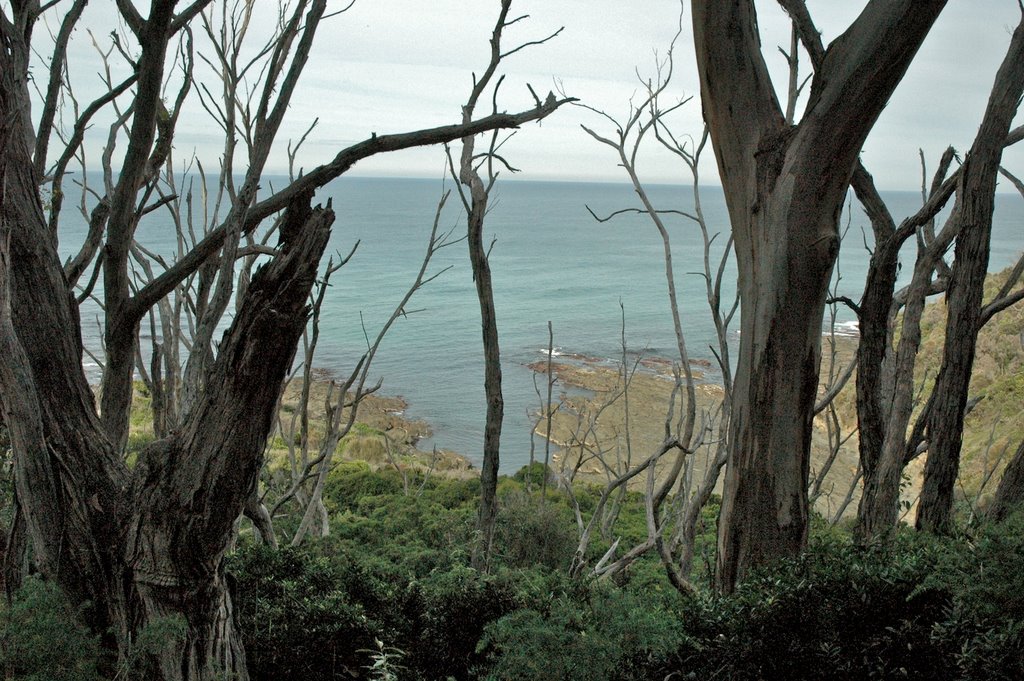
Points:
(475, 199)
(340, 417)
(141, 543)
(672, 528)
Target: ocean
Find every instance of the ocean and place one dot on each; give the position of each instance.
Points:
(551, 261)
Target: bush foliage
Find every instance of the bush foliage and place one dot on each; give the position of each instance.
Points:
(390, 594)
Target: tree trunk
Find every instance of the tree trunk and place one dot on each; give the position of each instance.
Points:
(873, 392)
(210, 646)
(1010, 493)
(138, 545)
(476, 211)
(121, 323)
(492, 375)
(148, 543)
(776, 383)
(966, 287)
(878, 509)
(785, 188)
(884, 375)
(179, 533)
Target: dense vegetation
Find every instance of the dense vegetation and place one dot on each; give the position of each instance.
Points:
(122, 556)
(390, 594)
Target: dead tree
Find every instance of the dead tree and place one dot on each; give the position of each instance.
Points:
(138, 544)
(340, 415)
(784, 188)
(671, 526)
(475, 199)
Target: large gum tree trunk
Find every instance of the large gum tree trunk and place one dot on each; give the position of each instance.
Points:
(784, 188)
(783, 297)
(143, 544)
(137, 545)
(179, 532)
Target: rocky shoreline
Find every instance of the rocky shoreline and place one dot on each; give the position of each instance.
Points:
(593, 434)
(592, 439)
(382, 436)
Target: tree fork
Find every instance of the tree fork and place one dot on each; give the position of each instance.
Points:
(784, 189)
(189, 490)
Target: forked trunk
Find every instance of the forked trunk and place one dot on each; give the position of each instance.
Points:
(144, 545)
(964, 295)
(784, 187)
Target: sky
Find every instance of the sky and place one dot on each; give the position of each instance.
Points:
(387, 66)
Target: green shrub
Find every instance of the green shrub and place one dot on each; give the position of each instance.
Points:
(297, 617)
(137, 441)
(448, 611)
(839, 611)
(453, 493)
(984, 571)
(986, 622)
(348, 484)
(528, 533)
(43, 638)
(533, 474)
(584, 634)
(393, 580)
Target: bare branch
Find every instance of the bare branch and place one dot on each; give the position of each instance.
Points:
(321, 175)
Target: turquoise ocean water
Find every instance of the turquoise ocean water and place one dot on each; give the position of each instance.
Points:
(550, 261)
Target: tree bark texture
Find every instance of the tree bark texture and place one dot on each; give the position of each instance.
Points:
(966, 287)
(874, 324)
(884, 373)
(785, 188)
(145, 543)
(1010, 493)
(120, 331)
(492, 374)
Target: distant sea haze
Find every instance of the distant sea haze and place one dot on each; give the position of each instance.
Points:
(551, 261)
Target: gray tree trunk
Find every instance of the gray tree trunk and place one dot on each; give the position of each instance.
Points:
(1010, 493)
(966, 287)
(145, 543)
(492, 377)
(785, 188)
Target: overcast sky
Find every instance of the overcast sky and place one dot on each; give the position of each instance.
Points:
(398, 65)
